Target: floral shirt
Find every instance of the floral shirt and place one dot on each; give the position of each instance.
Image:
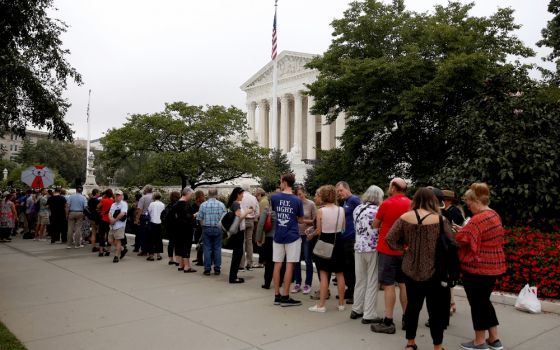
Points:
(366, 236)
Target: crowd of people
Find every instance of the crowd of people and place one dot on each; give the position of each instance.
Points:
(368, 243)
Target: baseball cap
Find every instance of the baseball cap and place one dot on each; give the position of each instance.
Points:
(118, 192)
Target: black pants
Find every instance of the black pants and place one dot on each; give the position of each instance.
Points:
(171, 244)
(437, 303)
(349, 271)
(236, 243)
(58, 227)
(5, 232)
(102, 232)
(478, 289)
(154, 241)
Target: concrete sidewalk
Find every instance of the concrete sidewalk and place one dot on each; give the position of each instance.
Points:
(57, 298)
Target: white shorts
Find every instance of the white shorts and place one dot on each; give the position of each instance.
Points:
(291, 251)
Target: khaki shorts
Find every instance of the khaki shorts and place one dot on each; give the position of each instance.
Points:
(43, 219)
(290, 251)
(116, 234)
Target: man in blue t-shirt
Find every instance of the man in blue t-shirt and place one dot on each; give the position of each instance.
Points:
(348, 237)
(287, 242)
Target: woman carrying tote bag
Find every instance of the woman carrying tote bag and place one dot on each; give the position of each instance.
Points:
(330, 221)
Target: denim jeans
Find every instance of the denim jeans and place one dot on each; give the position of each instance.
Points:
(307, 250)
(212, 245)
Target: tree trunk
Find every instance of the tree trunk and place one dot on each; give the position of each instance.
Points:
(183, 181)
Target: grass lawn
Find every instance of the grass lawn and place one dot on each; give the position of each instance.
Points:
(8, 341)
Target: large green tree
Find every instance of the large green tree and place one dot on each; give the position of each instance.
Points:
(400, 75)
(551, 39)
(68, 159)
(33, 69)
(196, 145)
(508, 137)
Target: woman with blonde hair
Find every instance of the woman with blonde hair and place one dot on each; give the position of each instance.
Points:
(482, 260)
(330, 222)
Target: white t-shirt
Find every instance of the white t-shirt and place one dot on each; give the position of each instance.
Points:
(123, 207)
(155, 209)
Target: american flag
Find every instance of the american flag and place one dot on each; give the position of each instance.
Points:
(274, 38)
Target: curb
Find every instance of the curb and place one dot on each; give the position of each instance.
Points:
(497, 297)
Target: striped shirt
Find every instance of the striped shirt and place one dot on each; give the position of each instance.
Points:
(211, 212)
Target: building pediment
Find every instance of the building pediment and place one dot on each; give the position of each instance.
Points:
(290, 64)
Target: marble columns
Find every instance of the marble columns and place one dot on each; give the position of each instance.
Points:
(311, 136)
(251, 107)
(298, 115)
(284, 129)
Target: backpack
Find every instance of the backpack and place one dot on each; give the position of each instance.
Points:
(447, 267)
(164, 216)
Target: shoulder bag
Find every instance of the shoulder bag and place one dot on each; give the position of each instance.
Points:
(324, 249)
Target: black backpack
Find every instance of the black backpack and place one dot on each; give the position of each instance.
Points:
(447, 268)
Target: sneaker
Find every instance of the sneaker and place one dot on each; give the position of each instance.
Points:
(296, 288)
(277, 299)
(206, 273)
(306, 289)
(81, 246)
(316, 308)
(495, 345)
(249, 268)
(471, 346)
(123, 252)
(372, 320)
(68, 247)
(116, 259)
(94, 249)
(341, 307)
(287, 301)
(383, 328)
(77, 247)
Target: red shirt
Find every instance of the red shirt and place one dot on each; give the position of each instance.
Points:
(390, 211)
(481, 251)
(105, 206)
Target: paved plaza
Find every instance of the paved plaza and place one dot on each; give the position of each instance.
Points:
(57, 298)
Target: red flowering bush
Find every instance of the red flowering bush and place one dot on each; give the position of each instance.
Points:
(532, 257)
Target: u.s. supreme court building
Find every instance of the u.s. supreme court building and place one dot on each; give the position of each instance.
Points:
(300, 132)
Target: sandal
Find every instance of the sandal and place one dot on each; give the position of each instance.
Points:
(189, 270)
(413, 347)
(237, 280)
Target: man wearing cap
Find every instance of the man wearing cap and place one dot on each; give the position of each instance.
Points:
(76, 205)
(450, 210)
(117, 221)
(390, 260)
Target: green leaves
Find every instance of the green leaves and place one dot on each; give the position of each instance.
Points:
(193, 144)
(33, 69)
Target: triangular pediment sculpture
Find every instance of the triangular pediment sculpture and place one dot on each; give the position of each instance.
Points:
(290, 64)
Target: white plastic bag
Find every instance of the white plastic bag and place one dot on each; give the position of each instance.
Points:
(527, 300)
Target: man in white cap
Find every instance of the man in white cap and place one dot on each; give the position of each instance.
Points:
(117, 220)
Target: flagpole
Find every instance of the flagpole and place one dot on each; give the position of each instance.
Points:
(274, 106)
(88, 134)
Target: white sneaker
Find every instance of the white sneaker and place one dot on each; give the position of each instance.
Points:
(296, 288)
(316, 308)
(68, 247)
(341, 307)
